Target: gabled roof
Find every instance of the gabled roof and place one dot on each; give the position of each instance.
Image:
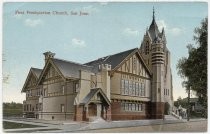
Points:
(36, 71)
(70, 69)
(32, 72)
(113, 60)
(90, 95)
(116, 60)
(66, 69)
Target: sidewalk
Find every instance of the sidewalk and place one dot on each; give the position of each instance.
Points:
(82, 126)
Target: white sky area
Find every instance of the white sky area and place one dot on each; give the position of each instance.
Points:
(109, 28)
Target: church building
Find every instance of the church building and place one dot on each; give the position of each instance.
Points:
(130, 85)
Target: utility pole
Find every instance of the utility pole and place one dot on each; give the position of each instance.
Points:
(188, 111)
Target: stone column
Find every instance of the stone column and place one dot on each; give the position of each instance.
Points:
(87, 114)
(98, 109)
(108, 113)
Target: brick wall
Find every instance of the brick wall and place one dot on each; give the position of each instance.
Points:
(157, 110)
(118, 114)
(80, 115)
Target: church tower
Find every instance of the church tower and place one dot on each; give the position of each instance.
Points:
(157, 98)
(157, 57)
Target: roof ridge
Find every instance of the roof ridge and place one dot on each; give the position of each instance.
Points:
(36, 68)
(124, 51)
(71, 62)
(111, 55)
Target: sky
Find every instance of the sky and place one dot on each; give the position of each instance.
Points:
(103, 29)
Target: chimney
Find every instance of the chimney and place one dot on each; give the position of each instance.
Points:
(48, 55)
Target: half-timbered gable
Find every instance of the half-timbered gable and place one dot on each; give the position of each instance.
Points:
(134, 65)
(31, 82)
(30, 105)
(50, 74)
(131, 79)
(32, 78)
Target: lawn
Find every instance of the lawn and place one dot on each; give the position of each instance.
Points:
(13, 125)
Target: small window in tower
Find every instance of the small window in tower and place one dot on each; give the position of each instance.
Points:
(147, 48)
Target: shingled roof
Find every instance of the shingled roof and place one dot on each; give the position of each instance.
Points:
(70, 69)
(113, 60)
(36, 71)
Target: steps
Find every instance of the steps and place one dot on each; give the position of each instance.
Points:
(96, 119)
(170, 117)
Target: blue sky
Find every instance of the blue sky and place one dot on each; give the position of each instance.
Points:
(107, 29)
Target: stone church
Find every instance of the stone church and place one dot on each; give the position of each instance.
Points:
(129, 85)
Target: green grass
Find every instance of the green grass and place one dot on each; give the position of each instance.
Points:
(13, 125)
(12, 109)
(12, 112)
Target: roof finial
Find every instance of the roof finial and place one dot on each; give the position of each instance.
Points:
(153, 13)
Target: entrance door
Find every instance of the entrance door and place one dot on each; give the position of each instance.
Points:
(92, 109)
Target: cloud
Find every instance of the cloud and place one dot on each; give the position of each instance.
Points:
(171, 30)
(130, 31)
(176, 31)
(161, 24)
(78, 43)
(33, 22)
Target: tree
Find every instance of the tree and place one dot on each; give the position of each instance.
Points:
(194, 68)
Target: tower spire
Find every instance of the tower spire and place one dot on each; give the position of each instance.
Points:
(153, 13)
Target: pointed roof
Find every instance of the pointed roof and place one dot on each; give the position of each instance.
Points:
(92, 93)
(153, 29)
(32, 72)
(113, 60)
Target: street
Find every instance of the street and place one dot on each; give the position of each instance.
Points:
(195, 126)
(134, 126)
